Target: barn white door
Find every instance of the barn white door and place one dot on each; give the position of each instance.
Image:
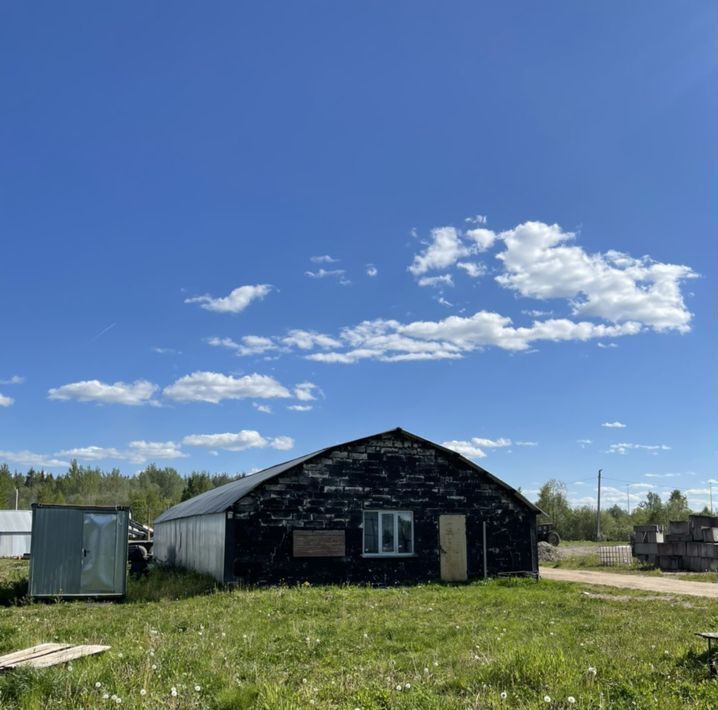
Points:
(452, 546)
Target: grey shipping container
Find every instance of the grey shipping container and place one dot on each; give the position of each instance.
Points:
(78, 551)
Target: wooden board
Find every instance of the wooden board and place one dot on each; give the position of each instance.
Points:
(69, 654)
(47, 654)
(12, 659)
(319, 543)
(452, 544)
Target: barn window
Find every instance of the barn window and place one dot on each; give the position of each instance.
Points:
(388, 532)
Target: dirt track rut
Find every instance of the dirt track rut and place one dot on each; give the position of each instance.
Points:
(632, 581)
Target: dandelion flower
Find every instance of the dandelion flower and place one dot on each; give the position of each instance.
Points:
(398, 687)
(143, 692)
(426, 670)
(504, 695)
(105, 696)
(571, 700)
(173, 692)
(547, 698)
(154, 666)
(98, 684)
(407, 685)
(118, 701)
(198, 688)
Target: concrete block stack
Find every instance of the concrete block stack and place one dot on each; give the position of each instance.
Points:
(688, 545)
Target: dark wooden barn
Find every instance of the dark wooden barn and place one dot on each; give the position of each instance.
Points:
(387, 508)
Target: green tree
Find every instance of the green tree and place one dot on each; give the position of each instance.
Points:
(195, 484)
(553, 502)
(676, 507)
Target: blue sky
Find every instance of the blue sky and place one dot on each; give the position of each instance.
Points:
(233, 234)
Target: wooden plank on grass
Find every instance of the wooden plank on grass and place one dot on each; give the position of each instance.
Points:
(12, 659)
(69, 654)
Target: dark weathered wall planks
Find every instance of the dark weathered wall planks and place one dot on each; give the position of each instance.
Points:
(389, 472)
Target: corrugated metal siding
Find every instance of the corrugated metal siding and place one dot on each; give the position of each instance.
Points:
(56, 557)
(15, 521)
(196, 543)
(14, 544)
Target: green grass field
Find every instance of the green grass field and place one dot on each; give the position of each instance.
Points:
(499, 644)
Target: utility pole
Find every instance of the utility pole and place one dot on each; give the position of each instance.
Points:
(628, 499)
(710, 486)
(17, 495)
(598, 508)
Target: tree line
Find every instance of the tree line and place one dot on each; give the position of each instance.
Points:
(579, 522)
(154, 489)
(148, 493)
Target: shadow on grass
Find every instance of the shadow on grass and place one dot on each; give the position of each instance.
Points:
(13, 592)
(169, 584)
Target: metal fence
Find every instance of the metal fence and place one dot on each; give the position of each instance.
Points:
(615, 555)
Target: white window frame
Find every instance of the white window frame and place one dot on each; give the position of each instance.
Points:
(395, 514)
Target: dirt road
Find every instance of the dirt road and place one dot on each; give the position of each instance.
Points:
(632, 581)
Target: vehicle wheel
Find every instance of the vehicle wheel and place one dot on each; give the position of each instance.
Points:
(554, 538)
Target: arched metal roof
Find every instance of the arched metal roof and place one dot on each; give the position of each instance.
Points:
(221, 499)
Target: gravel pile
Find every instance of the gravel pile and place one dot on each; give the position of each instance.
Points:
(548, 553)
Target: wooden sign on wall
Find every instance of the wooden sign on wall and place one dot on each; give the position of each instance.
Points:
(319, 543)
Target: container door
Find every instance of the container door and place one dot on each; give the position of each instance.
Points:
(99, 545)
(452, 545)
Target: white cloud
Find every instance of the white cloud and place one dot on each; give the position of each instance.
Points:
(443, 302)
(249, 345)
(14, 380)
(30, 458)
(606, 346)
(138, 452)
(325, 273)
(526, 443)
(323, 259)
(474, 448)
(445, 249)
(614, 425)
(214, 387)
(476, 219)
(583, 443)
(130, 393)
(309, 339)
(371, 270)
(465, 448)
(5, 401)
(143, 451)
(437, 281)
(300, 407)
(472, 269)
(669, 475)
(92, 453)
(236, 302)
(483, 238)
(244, 439)
(624, 448)
(304, 391)
(536, 313)
(613, 286)
(264, 408)
(455, 336)
(166, 351)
